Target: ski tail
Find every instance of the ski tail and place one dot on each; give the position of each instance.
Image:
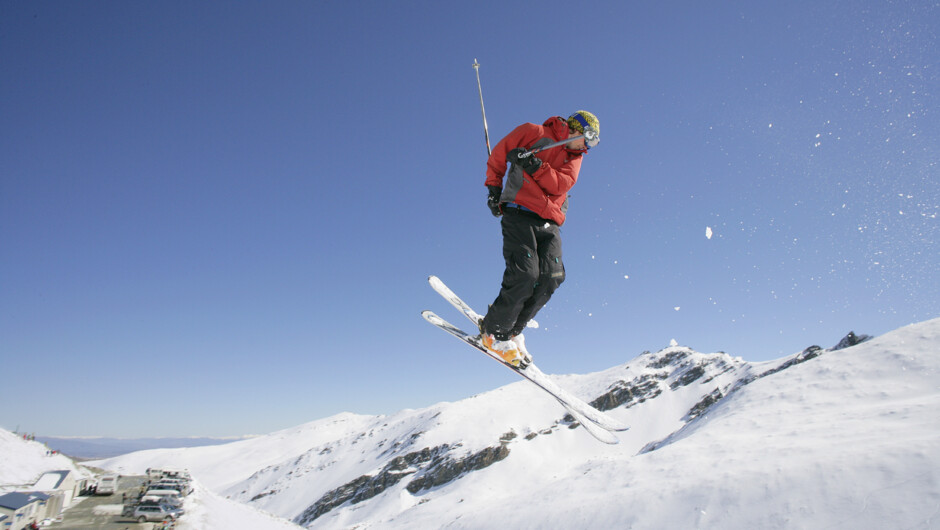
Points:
(455, 300)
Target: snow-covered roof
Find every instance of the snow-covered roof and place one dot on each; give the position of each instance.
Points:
(51, 480)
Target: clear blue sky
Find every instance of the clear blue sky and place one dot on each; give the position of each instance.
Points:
(222, 215)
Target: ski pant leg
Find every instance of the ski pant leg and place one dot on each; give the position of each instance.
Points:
(519, 277)
(532, 251)
(551, 274)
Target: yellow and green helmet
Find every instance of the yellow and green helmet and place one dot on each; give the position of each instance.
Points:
(582, 120)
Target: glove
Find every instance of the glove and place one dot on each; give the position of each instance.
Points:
(492, 201)
(529, 164)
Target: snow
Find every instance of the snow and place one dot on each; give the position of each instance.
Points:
(848, 439)
(207, 511)
(47, 482)
(22, 462)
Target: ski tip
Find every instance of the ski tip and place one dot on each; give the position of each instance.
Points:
(439, 286)
(432, 317)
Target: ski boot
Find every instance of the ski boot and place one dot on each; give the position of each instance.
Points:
(519, 341)
(507, 350)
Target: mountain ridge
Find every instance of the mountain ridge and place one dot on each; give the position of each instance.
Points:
(500, 449)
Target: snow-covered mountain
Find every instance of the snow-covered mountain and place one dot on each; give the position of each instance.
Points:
(847, 437)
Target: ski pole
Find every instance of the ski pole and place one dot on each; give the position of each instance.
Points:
(589, 136)
(486, 132)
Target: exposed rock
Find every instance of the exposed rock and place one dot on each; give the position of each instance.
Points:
(671, 358)
(688, 376)
(449, 469)
(629, 394)
(807, 354)
(850, 340)
(706, 403)
(433, 466)
(368, 486)
(507, 437)
(263, 495)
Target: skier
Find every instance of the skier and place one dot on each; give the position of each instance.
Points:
(533, 204)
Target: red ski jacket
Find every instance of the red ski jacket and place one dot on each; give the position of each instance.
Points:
(545, 192)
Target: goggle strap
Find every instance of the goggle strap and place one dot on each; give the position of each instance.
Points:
(580, 119)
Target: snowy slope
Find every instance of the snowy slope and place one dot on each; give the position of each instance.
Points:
(844, 439)
(23, 462)
(207, 511)
(848, 440)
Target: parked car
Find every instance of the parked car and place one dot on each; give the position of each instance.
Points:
(163, 489)
(164, 494)
(156, 512)
(163, 486)
(170, 500)
(169, 484)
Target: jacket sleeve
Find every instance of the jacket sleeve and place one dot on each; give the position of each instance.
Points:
(558, 181)
(496, 164)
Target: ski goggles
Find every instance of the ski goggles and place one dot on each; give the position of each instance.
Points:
(591, 138)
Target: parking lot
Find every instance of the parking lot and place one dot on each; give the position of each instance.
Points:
(115, 511)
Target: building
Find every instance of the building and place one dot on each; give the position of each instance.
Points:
(18, 510)
(62, 487)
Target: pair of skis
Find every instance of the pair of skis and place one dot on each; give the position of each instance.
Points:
(599, 425)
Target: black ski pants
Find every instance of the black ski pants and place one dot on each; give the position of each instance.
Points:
(532, 250)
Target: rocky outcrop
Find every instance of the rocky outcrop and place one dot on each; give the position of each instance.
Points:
(706, 403)
(431, 467)
(368, 486)
(449, 469)
(629, 393)
(809, 353)
(850, 340)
